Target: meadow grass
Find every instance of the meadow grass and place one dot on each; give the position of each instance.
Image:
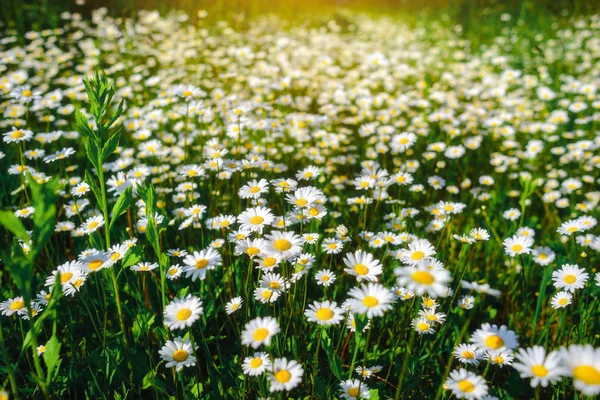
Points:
(361, 206)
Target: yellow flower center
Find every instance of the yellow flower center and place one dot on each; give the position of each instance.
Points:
(499, 360)
(570, 279)
(301, 202)
(260, 334)
(266, 294)
(65, 277)
(428, 303)
(283, 376)
(539, 371)
(417, 255)
(255, 189)
(422, 326)
(93, 224)
(361, 269)
(404, 140)
(563, 301)
(517, 247)
(269, 261)
(572, 229)
(256, 362)
(587, 374)
(314, 212)
(370, 301)
(466, 386)
(274, 285)
(183, 314)
(423, 277)
(468, 354)
(95, 264)
(257, 220)
(494, 342)
(27, 93)
(252, 251)
(282, 244)
(77, 283)
(332, 246)
(17, 134)
(16, 305)
(180, 355)
(201, 263)
(353, 392)
(324, 314)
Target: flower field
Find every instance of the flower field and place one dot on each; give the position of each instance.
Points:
(355, 208)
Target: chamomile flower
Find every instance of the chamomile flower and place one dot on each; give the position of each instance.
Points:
(371, 298)
(362, 265)
(354, 389)
(518, 245)
(92, 224)
(332, 246)
(254, 189)
(174, 272)
(494, 338)
(12, 306)
(234, 305)
(467, 353)
(95, 260)
(257, 364)
(259, 331)
(422, 279)
(198, 263)
(543, 256)
(499, 358)
(324, 313)
(285, 244)
(325, 277)
(183, 312)
(582, 363)
(466, 385)
(417, 251)
(178, 353)
(422, 326)
(570, 278)
(561, 299)
(285, 375)
(255, 219)
(542, 368)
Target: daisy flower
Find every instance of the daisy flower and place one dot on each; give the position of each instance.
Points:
(466, 385)
(479, 234)
(467, 353)
(92, 224)
(255, 219)
(518, 245)
(254, 189)
(582, 363)
(12, 306)
(144, 266)
(325, 277)
(95, 260)
(199, 262)
(372, 298)
(354, 389)
(535, 364)
(417, 251)
(561, 299)
(324, 313)
(422, 279)
(259, 331)
(362, 265)
(332, 246)
(17, 135)
(490, 337)
(500, 358)
(422, 326)
(233, 305)
(543, 255)
(174, 272)
(178, 353)
(285, 375)
(256, 364)
(570, 278)
(285, 244)
(570, 227)
(182, 313)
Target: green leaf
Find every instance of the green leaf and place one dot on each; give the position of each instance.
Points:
(111, 145)
(133, 256)
(115, 116)
(92, 150)
(90, 180)
(43, 198)
(123, 202)
(83, 126)
(13, 224)
(52, 356)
